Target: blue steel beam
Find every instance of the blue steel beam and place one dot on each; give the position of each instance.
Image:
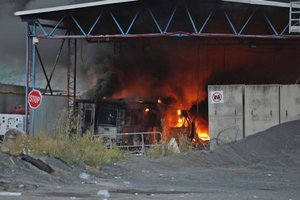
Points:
(94, 24)
(205, 22)
(57, 25)
(117, 23)
(28, 44)
(284, 30)
(247, 22)
(41, 27)
(132, 22)
(230, 23)
(33, 73)
(191, 19)
(271, 25)
(155, 21)
(170, 19)
(78, 25)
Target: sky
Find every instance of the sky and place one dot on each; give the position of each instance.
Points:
(12, 40)
(12, 52)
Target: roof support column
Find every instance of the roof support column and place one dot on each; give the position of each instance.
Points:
(27, 72)
(33, 73)
(72, 71)
(31, 42)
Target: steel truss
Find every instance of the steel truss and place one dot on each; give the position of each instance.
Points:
(169, 19)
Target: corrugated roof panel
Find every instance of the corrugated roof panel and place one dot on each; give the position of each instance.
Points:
(71, 7)
(283, 4)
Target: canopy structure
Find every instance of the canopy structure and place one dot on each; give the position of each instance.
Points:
(138, 18)
(110, 20)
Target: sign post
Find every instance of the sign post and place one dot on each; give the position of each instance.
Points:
(34, 99)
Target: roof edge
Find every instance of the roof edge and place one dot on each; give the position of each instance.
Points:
(261, 3)
(70, 7)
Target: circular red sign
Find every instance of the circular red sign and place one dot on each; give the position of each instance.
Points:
(34, 99)
(217, 97)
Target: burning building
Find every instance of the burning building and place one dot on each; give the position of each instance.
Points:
(171, 51)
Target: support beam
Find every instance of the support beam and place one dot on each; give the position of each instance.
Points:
(160, 23)
(44, 71)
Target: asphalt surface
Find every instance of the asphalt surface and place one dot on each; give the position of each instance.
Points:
(262, 166)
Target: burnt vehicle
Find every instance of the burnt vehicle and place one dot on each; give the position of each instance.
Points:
(120, 120)
(138, 123)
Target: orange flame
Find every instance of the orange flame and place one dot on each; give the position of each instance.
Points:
(201, 131)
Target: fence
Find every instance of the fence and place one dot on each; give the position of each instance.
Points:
(137, 142)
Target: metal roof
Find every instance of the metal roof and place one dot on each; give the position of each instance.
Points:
(70, 7)
(282, 3)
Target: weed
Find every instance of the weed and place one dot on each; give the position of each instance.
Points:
(70, 147)
(185, 144)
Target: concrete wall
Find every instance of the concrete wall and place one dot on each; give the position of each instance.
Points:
(10, 97)
(247, 109)
(289, 102)
(47, 114)
(226, 115)
(261, 107)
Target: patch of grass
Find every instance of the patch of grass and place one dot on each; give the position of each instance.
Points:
(70, 147)
(158, 151)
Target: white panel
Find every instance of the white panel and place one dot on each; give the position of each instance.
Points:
(289, 102)
(261, 107)
(11, 121)
(226, 118)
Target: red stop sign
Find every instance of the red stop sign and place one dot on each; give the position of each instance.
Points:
(34, 99)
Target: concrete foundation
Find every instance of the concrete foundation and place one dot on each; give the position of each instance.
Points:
(261, 107)
(289, 102)
(225, 114)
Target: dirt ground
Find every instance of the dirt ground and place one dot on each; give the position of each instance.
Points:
(263, 166)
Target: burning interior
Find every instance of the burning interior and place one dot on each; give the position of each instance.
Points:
(160, 84)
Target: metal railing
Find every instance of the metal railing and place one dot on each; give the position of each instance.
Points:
(137, 141)
(294, 17)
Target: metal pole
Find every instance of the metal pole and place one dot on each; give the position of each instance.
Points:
(197, 86)
(69, 71)
(143, 144)
(75, 70)
(27, 78)
(33, 72)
